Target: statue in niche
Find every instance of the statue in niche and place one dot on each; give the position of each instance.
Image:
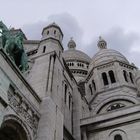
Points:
(13, 46)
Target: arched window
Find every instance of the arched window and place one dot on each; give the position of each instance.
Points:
(125, 75)
(90, 89)
(44, 49)
(54, 31)
(131, 77)
(105, 80)
(13, 130)
(115, 106)
(94, 86)
(70, 100)
(47, 32)
(112, 77)
(65, 93)
(118, 137)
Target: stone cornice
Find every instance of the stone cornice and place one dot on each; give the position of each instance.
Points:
(111, 116)
(102, 66)
(51, 38)
(31, 42)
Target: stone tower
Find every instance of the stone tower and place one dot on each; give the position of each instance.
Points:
(42, 77)
(111, 91)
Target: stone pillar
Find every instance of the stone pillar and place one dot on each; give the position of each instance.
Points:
(51, 122)
(119, 74)
(84, 135)
(51, 70)
(76, 113)
(137, 81)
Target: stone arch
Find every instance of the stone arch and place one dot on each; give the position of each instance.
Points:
(114, 98)
(125, 74)
(118, 132)
(112, 76)
(13, 128)
(105, 78)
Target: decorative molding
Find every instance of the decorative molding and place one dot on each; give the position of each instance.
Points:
(105, 66)
(23, 109)
(19, 121)
(126, 66)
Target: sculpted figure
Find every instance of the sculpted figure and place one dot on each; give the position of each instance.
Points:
(13, 46)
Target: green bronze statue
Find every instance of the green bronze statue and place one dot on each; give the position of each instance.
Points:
(13, 46)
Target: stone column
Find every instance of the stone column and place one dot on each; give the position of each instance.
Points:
(84, 135)
(51, 122)
(50, 78)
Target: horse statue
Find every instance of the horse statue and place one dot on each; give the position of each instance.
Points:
(13, 46)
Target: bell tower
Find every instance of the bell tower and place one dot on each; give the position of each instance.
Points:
(51, 40)
(43, 79)
(50, 46)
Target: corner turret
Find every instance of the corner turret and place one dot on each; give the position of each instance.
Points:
(51, 40)
(52, 31)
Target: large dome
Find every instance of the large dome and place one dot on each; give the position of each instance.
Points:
(73, 54)
(76, 55)
(77, 61)
(105, 55)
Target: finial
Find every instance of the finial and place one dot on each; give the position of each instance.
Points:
(102, 44)
(71, 38)
(71, 44)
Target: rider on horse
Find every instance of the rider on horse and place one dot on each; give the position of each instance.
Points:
(13, 46)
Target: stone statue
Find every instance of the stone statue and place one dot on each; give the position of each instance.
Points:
(13, 46)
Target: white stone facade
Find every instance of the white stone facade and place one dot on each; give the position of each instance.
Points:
(66, 95)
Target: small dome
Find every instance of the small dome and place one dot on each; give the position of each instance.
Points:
(73, 54)
(102, 44)
(77, 61)
(71, 44)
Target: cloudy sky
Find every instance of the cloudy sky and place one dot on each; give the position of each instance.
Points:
(117, 21)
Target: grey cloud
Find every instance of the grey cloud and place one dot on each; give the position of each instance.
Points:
(67, 23)
(116, 39)
(120, 40)
(134, 57)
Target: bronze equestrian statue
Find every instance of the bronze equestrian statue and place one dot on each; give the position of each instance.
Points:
(13, 46)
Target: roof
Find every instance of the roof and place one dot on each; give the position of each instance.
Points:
(15, 31)
(76, 55)
(52, 25)
(107, 55)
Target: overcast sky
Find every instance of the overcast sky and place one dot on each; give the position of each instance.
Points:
(117, 21)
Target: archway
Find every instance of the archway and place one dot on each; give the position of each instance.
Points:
(12, 130)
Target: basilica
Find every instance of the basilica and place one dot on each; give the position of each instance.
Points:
(48, 93)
